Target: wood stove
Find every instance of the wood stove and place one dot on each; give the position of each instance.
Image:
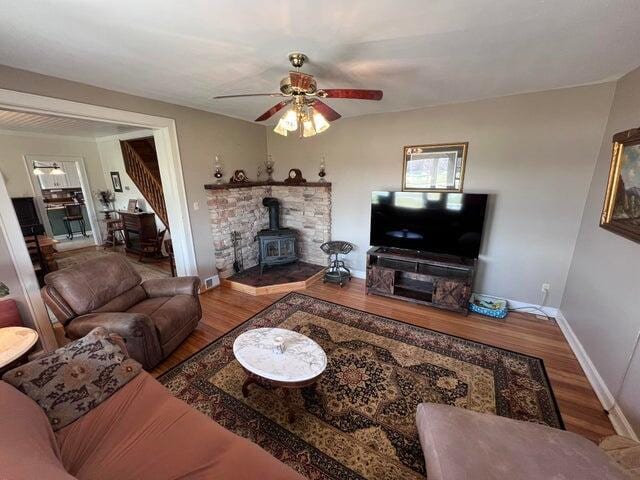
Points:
(277, 246)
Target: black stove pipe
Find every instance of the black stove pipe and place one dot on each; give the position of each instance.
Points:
(274, 212)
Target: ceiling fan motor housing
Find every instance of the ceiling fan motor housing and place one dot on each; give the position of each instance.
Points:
(308, 87)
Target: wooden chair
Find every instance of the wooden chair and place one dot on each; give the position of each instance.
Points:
(115, 228)
(35, 253)
(152, 246)
(168, 246)
(73, 213)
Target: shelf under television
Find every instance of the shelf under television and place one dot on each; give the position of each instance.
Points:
(443, 282)
(418, 295)
(415, 285)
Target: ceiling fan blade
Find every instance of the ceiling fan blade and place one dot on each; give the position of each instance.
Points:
(278, 94)
(354, 93)
(301, 81)
(327, 112)
(273, 110)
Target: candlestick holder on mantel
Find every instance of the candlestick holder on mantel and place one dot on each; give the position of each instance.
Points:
(322, 173)
(268, 167)
(218, 171)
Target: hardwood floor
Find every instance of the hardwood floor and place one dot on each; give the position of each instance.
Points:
(160, 264)
(223, 309)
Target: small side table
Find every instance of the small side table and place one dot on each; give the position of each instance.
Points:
(14, 343)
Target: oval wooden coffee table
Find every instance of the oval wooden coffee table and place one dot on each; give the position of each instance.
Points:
(279, 358)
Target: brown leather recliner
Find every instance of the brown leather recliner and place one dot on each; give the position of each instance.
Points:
(153, 317)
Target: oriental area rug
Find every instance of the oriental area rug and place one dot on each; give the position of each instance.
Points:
(359, 421)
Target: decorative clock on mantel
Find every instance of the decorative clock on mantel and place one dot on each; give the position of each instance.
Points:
(295, 177)
(239, 176)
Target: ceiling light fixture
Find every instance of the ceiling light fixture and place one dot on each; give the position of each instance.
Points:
(303, 118)
(56, 170)
(303, 98)
(40, 169)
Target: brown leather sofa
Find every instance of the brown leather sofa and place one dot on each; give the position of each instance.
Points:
(153, 317)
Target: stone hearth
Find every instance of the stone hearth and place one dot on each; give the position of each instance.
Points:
(305, 208)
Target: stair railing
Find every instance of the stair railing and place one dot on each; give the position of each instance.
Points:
(145, 180)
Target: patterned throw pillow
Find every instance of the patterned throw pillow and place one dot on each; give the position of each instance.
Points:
(76, 378)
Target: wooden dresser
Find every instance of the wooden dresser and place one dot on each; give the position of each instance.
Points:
(137, 226)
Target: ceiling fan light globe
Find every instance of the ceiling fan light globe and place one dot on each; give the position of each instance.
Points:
(38, 171)
(279, 128)
(320, 122)
(290, 121)
(56, 170)
(308, 130)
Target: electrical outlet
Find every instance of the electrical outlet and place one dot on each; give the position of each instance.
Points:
(545, 288)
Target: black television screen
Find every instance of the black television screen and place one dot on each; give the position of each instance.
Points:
(448, 223)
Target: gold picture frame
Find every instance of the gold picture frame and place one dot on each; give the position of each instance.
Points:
(621, 210)
(434, 168)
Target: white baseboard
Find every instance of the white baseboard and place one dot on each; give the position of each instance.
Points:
(531, 308)
(75, 235)
(620, 423)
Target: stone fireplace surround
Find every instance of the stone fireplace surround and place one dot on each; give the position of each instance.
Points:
(305, 208)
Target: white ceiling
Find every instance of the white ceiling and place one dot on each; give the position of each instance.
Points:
(420, 52)
(52, 125)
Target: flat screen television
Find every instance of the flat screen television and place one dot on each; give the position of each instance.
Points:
(444, 223)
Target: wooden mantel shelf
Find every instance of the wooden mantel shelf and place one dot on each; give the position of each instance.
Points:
(225, 186)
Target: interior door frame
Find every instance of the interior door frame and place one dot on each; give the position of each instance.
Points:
(81, 168)
(169, 161)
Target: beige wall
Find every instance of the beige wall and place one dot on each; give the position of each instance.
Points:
(603, 287)
(201, 135)
(14, 146)
(533, 153)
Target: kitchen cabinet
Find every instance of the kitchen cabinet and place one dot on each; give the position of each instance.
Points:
(48, 181)
(70, 179)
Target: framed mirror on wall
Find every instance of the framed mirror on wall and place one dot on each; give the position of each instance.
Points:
(438, 168)
(621, 211)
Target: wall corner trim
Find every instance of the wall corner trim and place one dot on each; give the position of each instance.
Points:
(619, 421)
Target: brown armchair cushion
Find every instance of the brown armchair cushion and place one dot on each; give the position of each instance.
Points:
(166, 287)
(169, 314)
(74, 379)
(138, 331)
(90, 285)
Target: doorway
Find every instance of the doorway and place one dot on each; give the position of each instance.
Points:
(165, 137)
(63, 198)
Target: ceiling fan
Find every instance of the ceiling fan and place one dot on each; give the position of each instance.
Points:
(308, 114)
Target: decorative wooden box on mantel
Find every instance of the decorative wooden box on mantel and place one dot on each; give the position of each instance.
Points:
(438, 280)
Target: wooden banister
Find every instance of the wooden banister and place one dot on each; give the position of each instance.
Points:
(145, 180)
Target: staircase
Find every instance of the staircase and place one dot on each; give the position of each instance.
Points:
(141, 164)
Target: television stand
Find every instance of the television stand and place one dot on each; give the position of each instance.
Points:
(441, 281)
